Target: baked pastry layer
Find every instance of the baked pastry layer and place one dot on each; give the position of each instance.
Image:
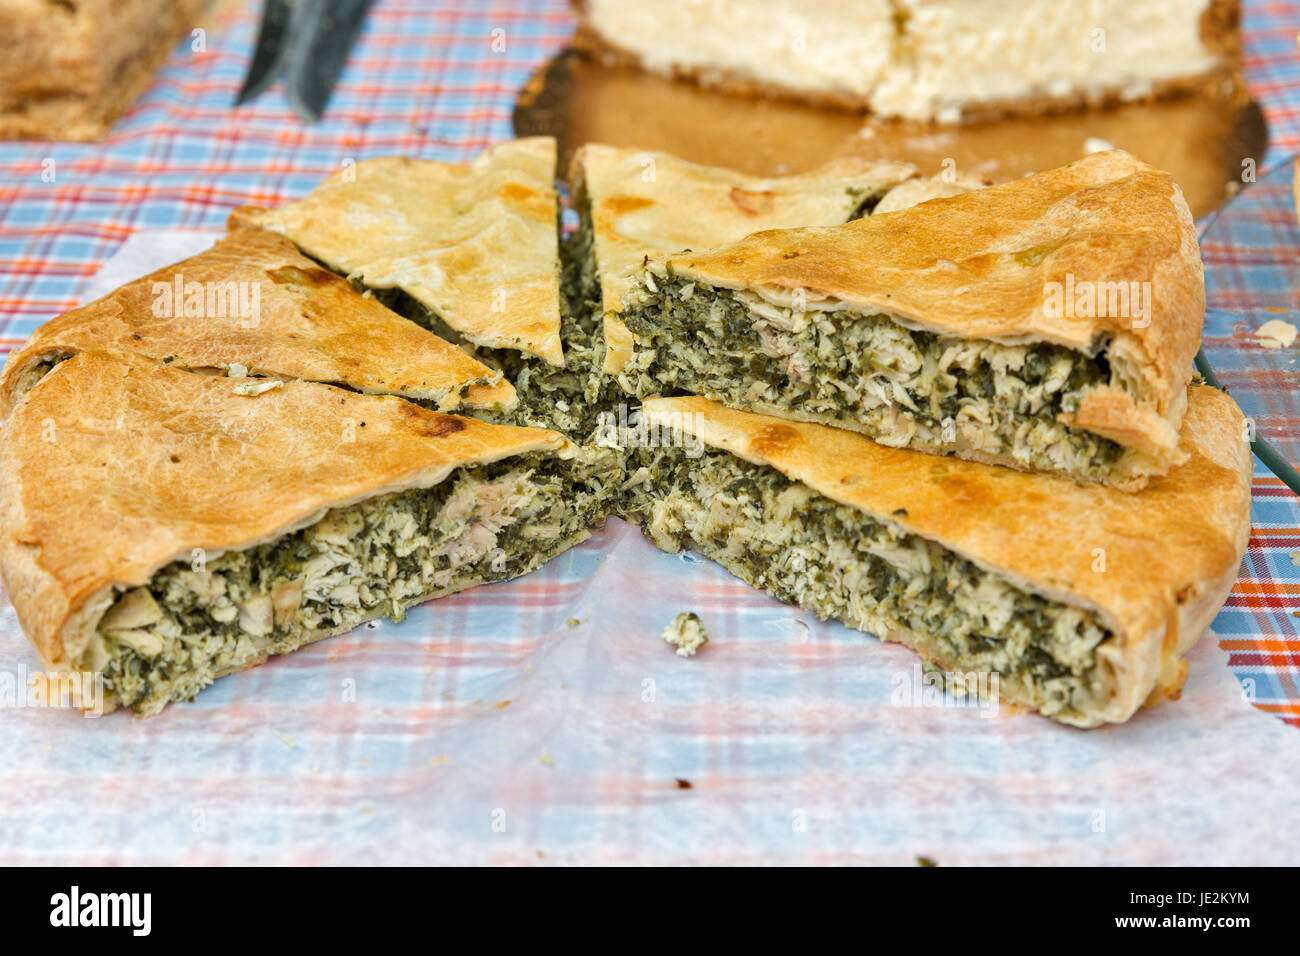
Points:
(252, 305)
(977, 568)
(69, 70)
(474, 246)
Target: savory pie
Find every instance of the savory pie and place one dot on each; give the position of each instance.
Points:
(633, 203)
(1081, 600)
(1048, 324)
(469, 251)
(945, 60)
(163, 528)
(252, 305)
(70, 69)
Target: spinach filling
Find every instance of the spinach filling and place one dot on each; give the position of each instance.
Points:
(802, 547)
(37, 371)
(901, 386)
(567, 399)
(191, 622)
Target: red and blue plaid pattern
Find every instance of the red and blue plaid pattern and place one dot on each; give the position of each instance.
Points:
(544, 720)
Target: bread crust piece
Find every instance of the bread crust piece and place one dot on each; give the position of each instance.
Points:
(112, 467)
(477, 245)
(307, 323)
(1171, 553)
(1218, 28)
(70, 70)
(997, 263)
(687, 205)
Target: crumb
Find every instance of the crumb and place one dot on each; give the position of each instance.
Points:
(503, 705)
(1275, 334)
(545, 758)
(683, 784)
(1295, 558)
(687, 633)
(572, 622)
(925, 861)
(255, 388)
(442, 758)
(288, 741)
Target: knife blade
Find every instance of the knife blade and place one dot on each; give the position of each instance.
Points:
(268, 56)
(321, 35)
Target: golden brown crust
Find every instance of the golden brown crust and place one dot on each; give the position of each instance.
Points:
(70, 70)
(115, 466)
(477, 245)
(1156, 566)
(278, 314)
(996, 263)
(646, 203)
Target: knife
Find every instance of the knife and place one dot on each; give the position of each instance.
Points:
(265, 67)
(306, 42)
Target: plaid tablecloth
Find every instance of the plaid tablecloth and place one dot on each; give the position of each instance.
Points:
(485, 727)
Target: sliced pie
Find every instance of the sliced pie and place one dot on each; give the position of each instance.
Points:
(635, 204)
(252, 305)
(1047, 324)
(1079, 601)
(473, 249)
(163, 528)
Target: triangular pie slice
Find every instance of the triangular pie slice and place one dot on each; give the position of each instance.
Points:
(162, 528)
(1077, 601)
(253, 305)
(635, 203)
(474, 247)
(1048, 324)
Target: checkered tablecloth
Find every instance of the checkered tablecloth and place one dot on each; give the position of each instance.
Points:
(485, 727)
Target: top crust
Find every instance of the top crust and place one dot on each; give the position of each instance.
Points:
(306, 322)
(477, 245)
(114, 466)
(1170, 553)
(645, 203)
(999, 263)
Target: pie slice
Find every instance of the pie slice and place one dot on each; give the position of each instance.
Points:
(1047, 324)
(973, 60)
(473, 249)
(1076, 601)
(162, 528)
(253, 305)
(635, 204)
(945, 60)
